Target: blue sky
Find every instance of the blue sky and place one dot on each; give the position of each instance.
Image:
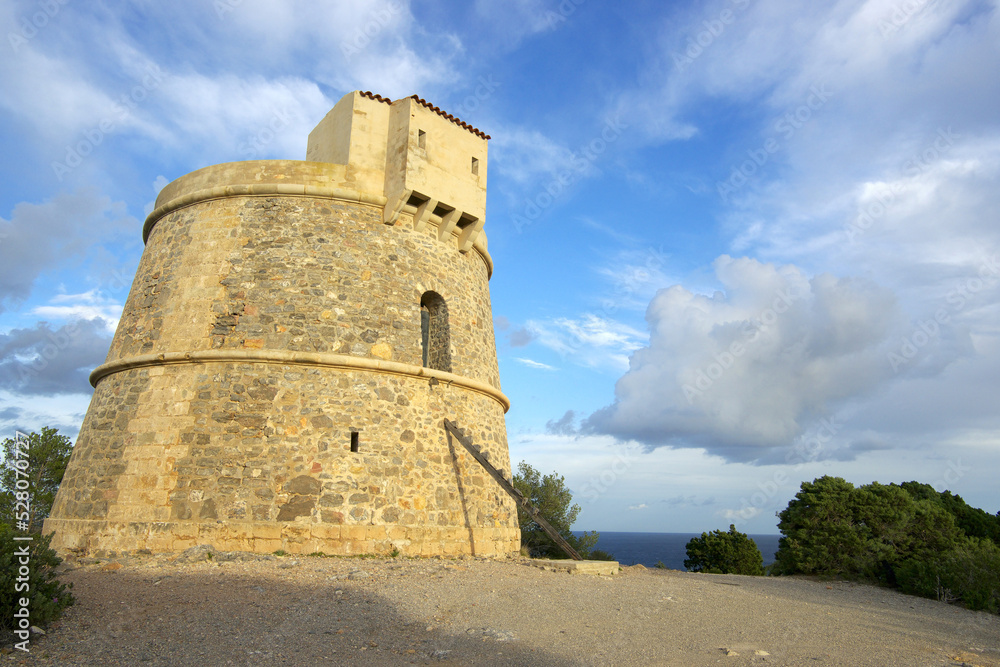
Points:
(738, 244)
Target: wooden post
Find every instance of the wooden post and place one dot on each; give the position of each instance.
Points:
(506, 485)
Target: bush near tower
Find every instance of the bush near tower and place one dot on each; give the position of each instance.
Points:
(47, 456)
(724, 553)
(27, 566)
(549, 494)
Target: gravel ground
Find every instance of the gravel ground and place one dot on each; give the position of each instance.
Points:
(244, 610)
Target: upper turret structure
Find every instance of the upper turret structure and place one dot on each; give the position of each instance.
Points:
(412, 153)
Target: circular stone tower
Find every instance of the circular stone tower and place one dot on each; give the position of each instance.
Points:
(295, 337)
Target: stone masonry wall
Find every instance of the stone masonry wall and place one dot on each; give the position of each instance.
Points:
(308, 274)
(255, 454)
(257, 457)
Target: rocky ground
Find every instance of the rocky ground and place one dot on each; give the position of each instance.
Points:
(239, 609)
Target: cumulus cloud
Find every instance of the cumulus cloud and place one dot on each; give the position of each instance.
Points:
(904, 199)
(565, 425)
(750, 369)
(47, 361)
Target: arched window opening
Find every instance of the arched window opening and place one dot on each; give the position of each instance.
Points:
(435, 337)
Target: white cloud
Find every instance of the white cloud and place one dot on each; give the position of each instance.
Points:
(750, 369)
(90, 305)
(738, 515)
(33, 412)
(526, 155)
(590, 340)
(514, 20)
(531, 363)
(889, 172)
(242, 118)
(42, 238)
(54, 93)
(640, 506)
(262, 106)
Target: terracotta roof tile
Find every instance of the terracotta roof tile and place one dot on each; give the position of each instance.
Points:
(441, 112)
(454, 119)
(374, 96)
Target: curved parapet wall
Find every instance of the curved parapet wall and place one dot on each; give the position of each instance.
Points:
(266, 387)
(279, 177)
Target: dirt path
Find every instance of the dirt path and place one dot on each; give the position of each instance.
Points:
(341, 611)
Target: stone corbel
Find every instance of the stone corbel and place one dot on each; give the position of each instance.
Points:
(423, 214)
(394, 206)
(469, 235)
(449, 221)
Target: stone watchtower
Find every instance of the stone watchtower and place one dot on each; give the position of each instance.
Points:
(296, 335)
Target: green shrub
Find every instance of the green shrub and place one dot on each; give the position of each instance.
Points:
(967, 573)
(46, 457)
(973, 521)
(47, 596)
(909, 536)
(724, 553)
(832, 528)
(553, 499)
(820, 531)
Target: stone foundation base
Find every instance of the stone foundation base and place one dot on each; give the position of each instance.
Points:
(95, 537)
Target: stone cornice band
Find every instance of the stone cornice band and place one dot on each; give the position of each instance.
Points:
(318, 359)
(286, 189)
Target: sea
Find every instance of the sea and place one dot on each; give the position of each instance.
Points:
(670, 548)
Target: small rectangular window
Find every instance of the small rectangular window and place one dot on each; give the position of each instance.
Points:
(475, 166)
(421, 139)
(355, 436)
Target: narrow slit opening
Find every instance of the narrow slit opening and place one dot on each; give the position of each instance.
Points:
(354, 441)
